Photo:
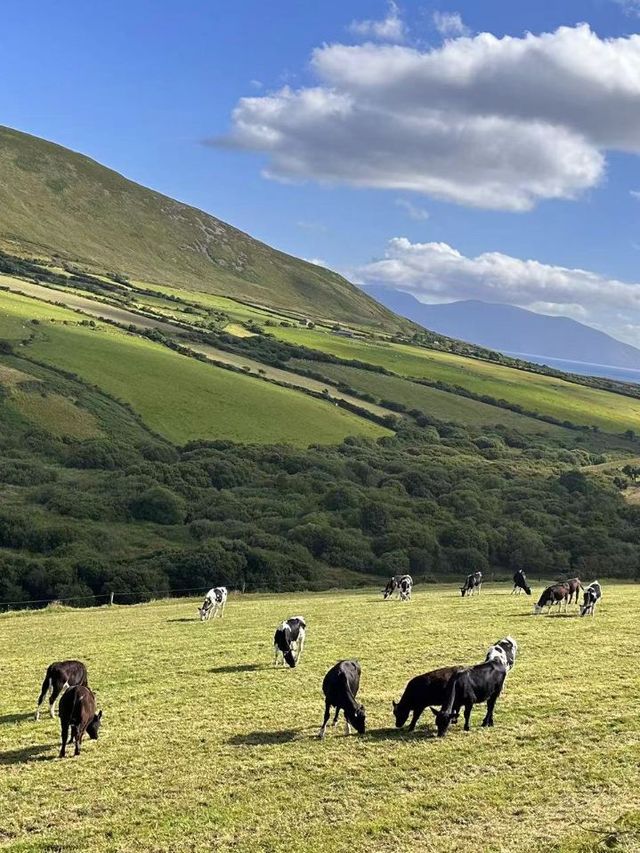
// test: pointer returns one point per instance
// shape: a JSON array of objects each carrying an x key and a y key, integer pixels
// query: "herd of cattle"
[{"x": 451, "y": 688}]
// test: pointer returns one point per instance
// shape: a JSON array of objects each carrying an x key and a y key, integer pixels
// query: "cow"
[
  {"x": 504, "y": 650},
  {"x": 574, "y": 585},
  {"x": 340, "y": 687},
  {"x": 422, "y": 691},
  {"x": 475, "y": 684},
  {"x": 214, "y": 602},
  {"x": 59, "y": 677},
  {"x": 473, "y": 584},
  {"x": 557, "y": 593},
  {"x": 288, "y": 640},
  {"x": 78, "y": 713},
  {"x": 402, "y": 584},
  {"x": 520, "y": 583},
  {"x": 592, "y": 595}
]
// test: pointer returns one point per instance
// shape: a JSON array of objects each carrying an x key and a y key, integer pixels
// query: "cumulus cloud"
[
  {"x": 436, "y": 272},
  {"x": 412, "y": 210},
  {"x": 499, "y": 123},
  {"x": 449, "y": 24},
  {"x": 391, "y": 28}
]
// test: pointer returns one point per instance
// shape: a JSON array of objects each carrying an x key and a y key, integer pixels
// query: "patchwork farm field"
[
  {"x": 179, "y": 397},
  {"x": 205, "y": 746}
]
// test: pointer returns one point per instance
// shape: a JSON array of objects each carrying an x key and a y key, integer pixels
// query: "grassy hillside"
[
  {"x": 562, "y": 399},
  {"x": 180, "y": 398},
  {"x": 54, "y": 202},
  {"x": 559, "y": 771}
]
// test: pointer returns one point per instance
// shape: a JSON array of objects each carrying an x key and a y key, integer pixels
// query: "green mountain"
[{"x": 56, "y": 202}]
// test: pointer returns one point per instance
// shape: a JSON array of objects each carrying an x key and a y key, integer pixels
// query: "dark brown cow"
[
  {"x": 575, "y": 585},
  {"x": 422, "y": 691},
  {"x": 60, "y": 676},
  {"x": 557, "y": 593},
  {"x": 78, "y": 713}
]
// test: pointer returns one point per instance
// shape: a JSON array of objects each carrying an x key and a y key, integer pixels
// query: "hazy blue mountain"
[{"x": 509, "y": 329}]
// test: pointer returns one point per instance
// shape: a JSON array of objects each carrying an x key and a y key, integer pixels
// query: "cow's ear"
[
  {"x": 395, "y": 705},
  {"x": 434, "y": 711},
  {"x": 100, "y": 715}
]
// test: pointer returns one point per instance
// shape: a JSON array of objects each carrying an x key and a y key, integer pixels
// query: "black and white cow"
[
  {"x": 288, "y": 640},
  {"x": 557, "y": 593},
  {"x": 402, "y": 584},
  {"x": 520, "y": 583},
  {"x": 473, "y": 584},
  {"x": 504, "y": 650},
  {"x": 340, "y": 687},
  {"x": 476, "y": 684},
  {"x": 214, "y": 602},
  {"x": 592, "y": 595}
]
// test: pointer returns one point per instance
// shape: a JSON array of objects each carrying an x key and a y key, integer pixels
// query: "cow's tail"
[
  {"x": 450, "y": 696},
  {"x": 46, "y": 684}
]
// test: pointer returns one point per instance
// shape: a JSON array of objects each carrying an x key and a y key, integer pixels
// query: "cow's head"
[
  {"x": 202, "y": 612},
  {"x": 358, "y": 719},
  {"x": 401, "y": 713},
  {"x": 290, "y": 659},
  {"x": 94, "y": 726},
  {"x": 443, "y": 720},
  {"x": 537, "y": 609},
  {"x": 463, "y": 589}
]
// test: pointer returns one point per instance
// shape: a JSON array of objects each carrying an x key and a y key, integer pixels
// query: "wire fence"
[{"x": 103, "y": 599}]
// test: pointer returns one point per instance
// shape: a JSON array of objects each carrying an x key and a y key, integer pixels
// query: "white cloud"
[
  {"x": 634, "y": 194},
  {"x": 629, "y": 7},
  {"x": 412, "y": 210},
  {"x": 490, "y": 122},
  {"x": 436, "y": 272},
  {"x": 449, "y": 24},
  {"x": 390, "y": 29}
]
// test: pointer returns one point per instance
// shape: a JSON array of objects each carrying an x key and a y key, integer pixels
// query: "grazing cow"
[
  {"x": 520, "y": 583},
  {"x": 340, "y": 687},
  {"x": 58, "y": 677},
  {"x": 402, "y": 584},
  {"x": 480, "y": 683},
  {"x": 504, "y": 650},
  {"x": 473, "y": 584},
  {"x": 592, "y": 595},
  {"x": 78, "y": 713},
  {"x": 574, "y": 585},
  {"x": 288, "y": 640},
  {"x": 214, "y": 602},
  {"x": 557, "y": 593},
  {"x": 422, "y": 691}
]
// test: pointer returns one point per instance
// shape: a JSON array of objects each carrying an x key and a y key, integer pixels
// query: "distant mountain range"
[{"x": 513, "y": 330}]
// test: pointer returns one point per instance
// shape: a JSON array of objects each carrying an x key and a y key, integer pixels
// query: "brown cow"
[
  {"x": 422, "y": 691},
  {"x": 77, "y": 711},
  {"x": 60, "y": 676}
]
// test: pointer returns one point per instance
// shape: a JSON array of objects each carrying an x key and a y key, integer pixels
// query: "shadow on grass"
[
  {"x": 16, "y": 718},
  {"x": 26, "y": 754},
  {"x": 264, "y": 738},
  {"x": 185, "y": 619},
  {"x": 420, "y": 733},
  {"x": 238, "y": 667}
]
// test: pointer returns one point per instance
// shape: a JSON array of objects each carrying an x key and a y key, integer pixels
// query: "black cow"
[
  {"x": 78, "y": 713},
  {"x": 557, "y": 593},
  {"x": 340, "y": 687},
  {"x": 288, "y": 640},
  {"x": 473, "y": 584},
  {"x": 422, "y": 691},
  {"x": 480, "y": 683},
  {"x": 592, "y": 595},
  {"x": 60, "y": 676},
  {"x": 520, "y": 583}
]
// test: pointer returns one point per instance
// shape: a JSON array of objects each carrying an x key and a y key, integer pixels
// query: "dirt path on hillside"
[{"x": 123, "y": 316}]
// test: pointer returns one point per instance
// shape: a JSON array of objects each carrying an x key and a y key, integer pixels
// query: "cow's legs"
[
  {"x": 335, "y": 718},
  {"x": 65, "y": 738},
  {"x": 417, "y": 713},
  {"x": 468, "y": 708},
  {"x": 347, "y": 728},
  {"x": 327, "y": 712},
  {"x": 79, "y": 734},
  {"x": 491, "y": 702},
  {"x": 55, "y": 692},
  {"x": 275, "y": 655}
]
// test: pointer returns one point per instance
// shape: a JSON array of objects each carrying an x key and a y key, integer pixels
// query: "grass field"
[
  {"x": 179, "y": 397},
  {"x": 204, "y": 746},
  {"x": 535, "y": 392}
]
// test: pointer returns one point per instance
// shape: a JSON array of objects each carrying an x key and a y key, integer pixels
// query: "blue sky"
[{"x": 140, "y": 85}]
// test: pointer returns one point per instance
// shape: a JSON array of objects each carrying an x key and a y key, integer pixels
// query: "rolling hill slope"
[{"x": 55, "y": 202}]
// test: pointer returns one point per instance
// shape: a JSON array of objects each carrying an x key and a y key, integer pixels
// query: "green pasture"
[{"x": 205, "y": 746}]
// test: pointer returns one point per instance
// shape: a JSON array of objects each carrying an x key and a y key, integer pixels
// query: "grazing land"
[{"x": 205, "y": 745}]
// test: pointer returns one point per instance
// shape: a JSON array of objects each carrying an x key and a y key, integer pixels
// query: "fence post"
[{"x": 111, "y": 599}]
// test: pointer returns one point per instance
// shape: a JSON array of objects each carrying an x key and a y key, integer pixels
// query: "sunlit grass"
[{"x": 205, "y": 746}]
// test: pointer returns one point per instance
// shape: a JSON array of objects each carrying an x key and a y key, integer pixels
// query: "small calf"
[
  {"x": 78, "y": 713},
  {"x": 422, "y": 691},
  {"x": 60, "y": 676},
  {"x": 288, "y": 640},
  {"x": 340, "y": 687},
  {"x": 592, "y": 595}
]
